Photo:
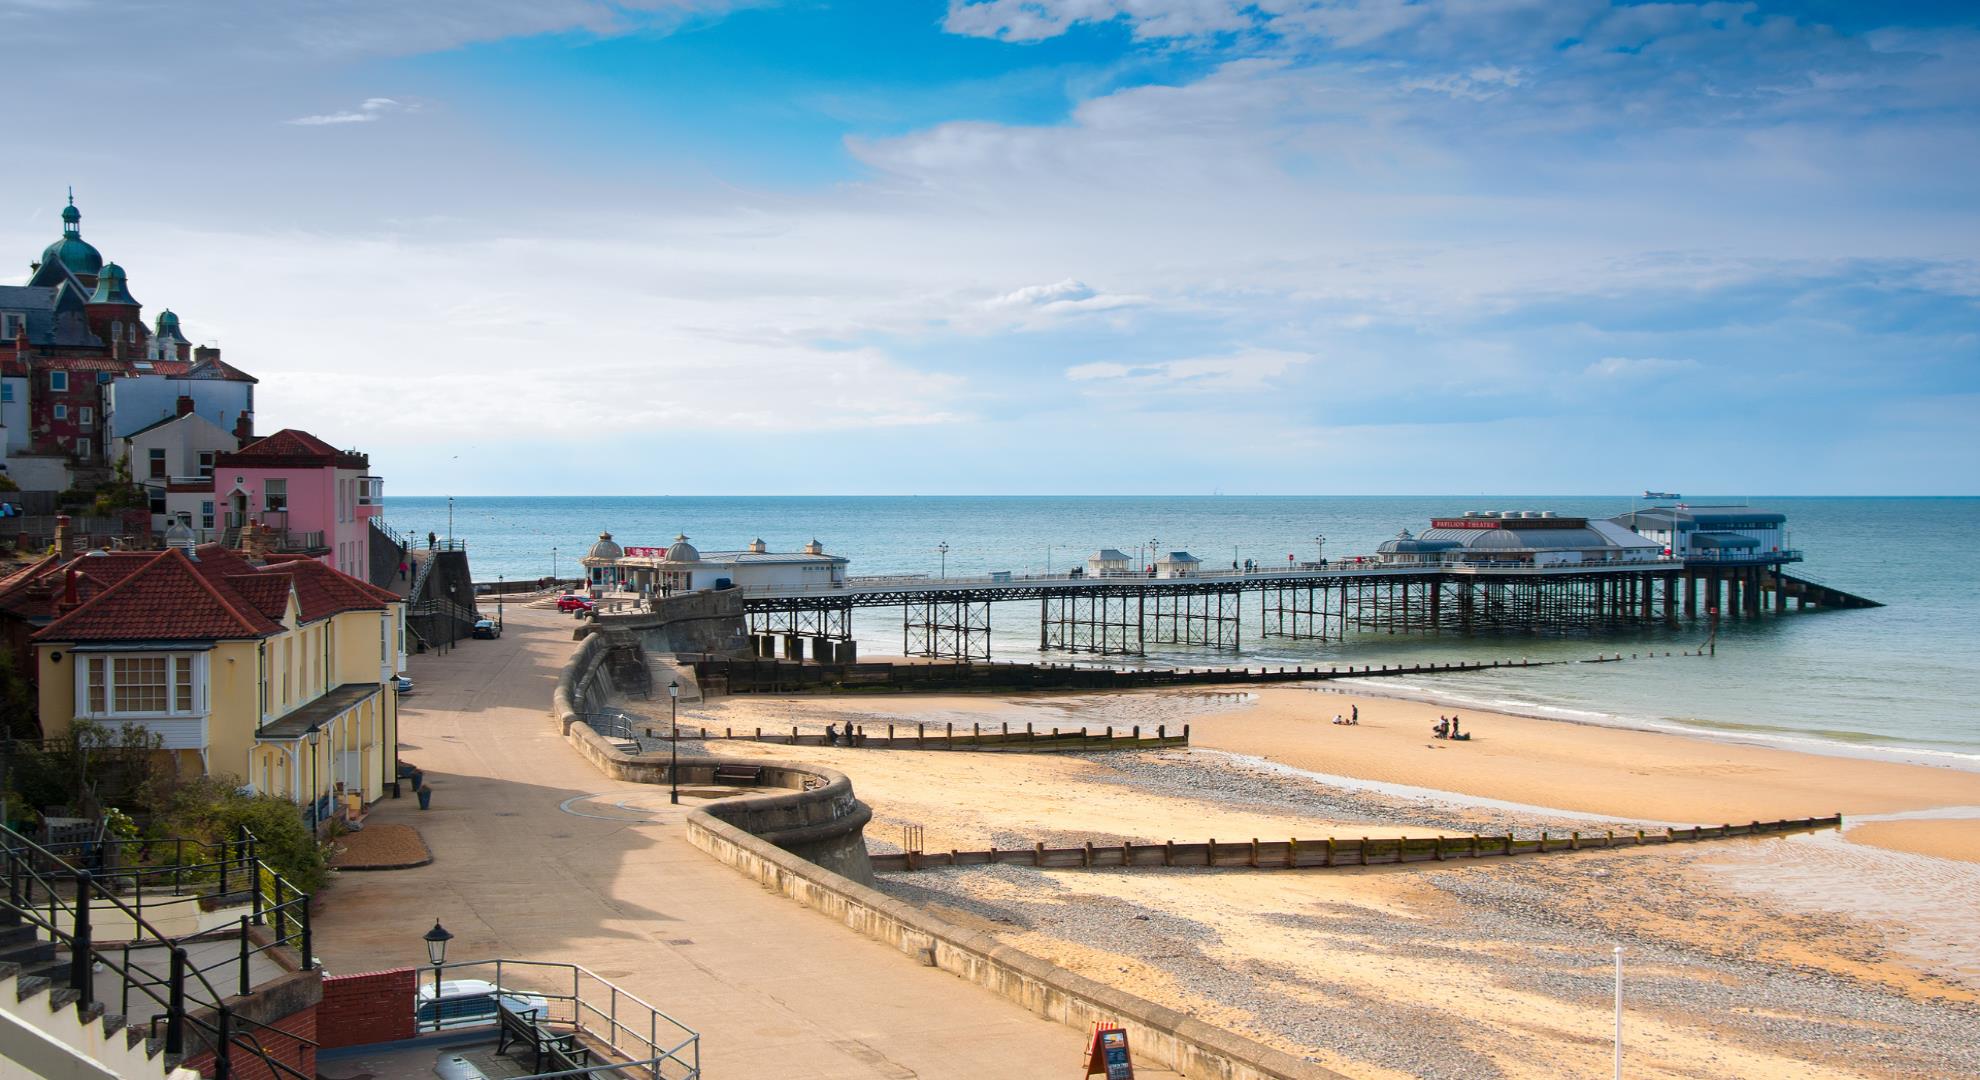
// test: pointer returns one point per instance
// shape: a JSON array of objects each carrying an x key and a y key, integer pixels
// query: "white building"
[
  {"x": 1520, "y": 538},
  {"x": 601, "y": 563},
  {"x": 173, "y": 461},
  {"x": 156, "y": 390},
  {"x": 679, "y": 567},
  {"x": 1109, "y": 562},
  {"x": 1177, "y": 564},
  {"x": 1716, "y": 533}
]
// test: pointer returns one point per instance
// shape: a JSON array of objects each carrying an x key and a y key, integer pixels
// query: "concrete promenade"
[{"x": 527, "y": 867}]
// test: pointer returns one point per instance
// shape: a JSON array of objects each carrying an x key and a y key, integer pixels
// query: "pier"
[{"x": 1123, "y": 616}]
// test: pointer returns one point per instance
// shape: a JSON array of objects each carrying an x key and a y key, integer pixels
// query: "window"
[
  {"x": 10, "y": 325},
  {"x": 275, "y": 494},
  {"x": 61, "y": 411},
  {"x": 86, "y": 415},
  {"x": 82, "y": 448},
  {"x": 116, "y": 329},
  {"x": 140, "y": 684},
  {"x": 7, "y": 393},
  {"x": 103, "y": 378},
  {"x": 206, "y": 514},
  {"x": 58, "y": 381},
  {"x": 157, "y": 496},
  {"x": 206, "y": 464},
  {"x": 98, "y": 686},
  {"x": 131, "y": 333},
  {"x": 157, "y": 458}
]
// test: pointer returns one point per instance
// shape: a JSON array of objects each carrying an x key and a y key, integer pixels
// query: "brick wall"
[
  {"x": 373, "y": 1007},
  {"x": 244, "y": 1065}
]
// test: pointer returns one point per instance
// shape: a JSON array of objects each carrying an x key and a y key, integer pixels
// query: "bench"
[
  {"x": 739, "y": 774},
  {"x": 561, "y": 1049}
]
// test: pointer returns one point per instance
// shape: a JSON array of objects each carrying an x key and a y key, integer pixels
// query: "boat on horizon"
[{"x": 1662, "y": 495}]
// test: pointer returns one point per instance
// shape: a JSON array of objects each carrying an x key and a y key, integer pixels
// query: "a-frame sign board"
[{"x": 1107, "y": 1053}]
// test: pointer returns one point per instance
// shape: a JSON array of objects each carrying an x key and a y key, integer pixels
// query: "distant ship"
[{"x": 1662, "y": 495}]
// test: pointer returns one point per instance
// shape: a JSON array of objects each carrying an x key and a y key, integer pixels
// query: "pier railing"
[
  {"x": 1334, "y": 851},
  {"x": 1369, "y": 565}
]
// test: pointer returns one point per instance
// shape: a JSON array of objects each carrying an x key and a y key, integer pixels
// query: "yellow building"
[{"x": 279, "y": 675}]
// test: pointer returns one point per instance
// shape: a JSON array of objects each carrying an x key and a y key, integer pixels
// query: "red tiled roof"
[
  {"x": 288, "y": 442},
  {"x": 32, "y": 593},
  {"x": 324, "y": 590},
  {"x": 168, "y": 598},
  {"x": 269, "y": 595}
]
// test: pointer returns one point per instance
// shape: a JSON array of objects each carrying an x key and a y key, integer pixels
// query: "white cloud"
[
  {"x": 1637, "y": 367},
  {"x": 368, "y": 110},
  {"x": 1247, "y": 369}
]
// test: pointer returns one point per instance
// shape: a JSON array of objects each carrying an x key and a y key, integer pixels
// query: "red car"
[{"x": 574, "y": 602}]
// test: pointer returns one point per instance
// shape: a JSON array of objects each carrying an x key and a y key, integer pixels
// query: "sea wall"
[
  {"x": 808, "y": 811},
  {"x": 698, "y": 622},
  {"x": 1158, "y": 1035}
]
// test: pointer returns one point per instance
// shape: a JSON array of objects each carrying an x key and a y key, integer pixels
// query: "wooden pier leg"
[
  {"x": 1086, "y": 854},
  {"x": 1364, "y": 851},
  {"x": 1210, "y": 852},
  {"x": 1439, "y": 855},
  {"x": 1169, "y": 853},
  {"x": 1253, "y": 861},
  {"x": 1330, "y": 852},
  {"x": 1292, "y": 852}
]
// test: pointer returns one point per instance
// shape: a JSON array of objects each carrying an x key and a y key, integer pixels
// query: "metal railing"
[
  {"x": 1370, "y": 565},
  {"x": 648, "y": 1042},
  {"x": 184, "y": 993}
]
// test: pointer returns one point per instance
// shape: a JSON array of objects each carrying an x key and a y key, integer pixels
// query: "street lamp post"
[
  {"x": 553, "y": 564},
  {"x": 499, "y": 622},
  {"x": 436, "y": 952},
  {"x": 943, "y": 547},
  {"x": 674, "y": 740},
  {"x": 450, "y": 521},
  {"x": 1320, "y": 547},
  {"x": 1152, "y": 542}
]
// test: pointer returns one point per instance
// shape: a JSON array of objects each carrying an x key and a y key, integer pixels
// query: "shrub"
[{"x": 212, "y": 809}]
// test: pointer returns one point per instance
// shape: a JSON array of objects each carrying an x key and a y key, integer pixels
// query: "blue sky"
[{"x": 702, "y": 246}]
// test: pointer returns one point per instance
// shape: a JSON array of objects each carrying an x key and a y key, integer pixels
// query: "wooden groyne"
[
  {"x": 776, "y": 676},
  {"x": 919, "y": 737},
  {"x": 1335, "y": 851}
]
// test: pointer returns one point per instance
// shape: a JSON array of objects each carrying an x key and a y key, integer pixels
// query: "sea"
[{"x": 1891, "y": 682}]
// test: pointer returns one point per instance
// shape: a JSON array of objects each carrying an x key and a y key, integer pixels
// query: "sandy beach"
[{"x": 1833, "y": 954}]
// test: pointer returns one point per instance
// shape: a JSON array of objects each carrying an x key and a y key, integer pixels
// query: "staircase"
[
  {"x": 1814, "y": 592},
  {"x": 90, "y": 989}
]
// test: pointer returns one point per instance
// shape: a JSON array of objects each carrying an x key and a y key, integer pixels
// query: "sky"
[{"x": 1045, "y": 246}]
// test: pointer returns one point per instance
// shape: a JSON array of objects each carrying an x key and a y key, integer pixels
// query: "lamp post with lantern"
[
  {"x": 674, "y": 740},
  {"x": 943, "y": 548},
  {"x": 436, "y": 953}
]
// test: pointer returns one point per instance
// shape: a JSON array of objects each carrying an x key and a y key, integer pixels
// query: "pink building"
[{"x": 309, "y": 496}]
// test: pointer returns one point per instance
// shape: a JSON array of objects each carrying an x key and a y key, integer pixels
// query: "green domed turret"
[
  {"x": 71, "y": 249},
  {"x": 168, "y": 327},
  {"x": 110, "y": 287}
]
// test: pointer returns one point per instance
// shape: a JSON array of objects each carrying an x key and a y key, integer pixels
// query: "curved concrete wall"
[{"x": 808, "y": 811}]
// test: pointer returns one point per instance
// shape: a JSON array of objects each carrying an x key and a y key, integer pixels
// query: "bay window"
[{"x": 140, "y": 684}]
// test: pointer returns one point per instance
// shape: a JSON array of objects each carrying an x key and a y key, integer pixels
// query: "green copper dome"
[
  {"x": 110, "y": 287},
  {"x": 74, "y": 252}
]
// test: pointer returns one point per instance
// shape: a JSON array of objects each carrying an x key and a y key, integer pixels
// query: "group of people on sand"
[
  {"x": 833, "y": 735},
  {"x": 1352, "y": 718},
  {"x": 1447, "y": 728}
]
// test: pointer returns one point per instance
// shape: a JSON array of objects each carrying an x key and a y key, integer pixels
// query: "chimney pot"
[{"x": 185, "y": 404}]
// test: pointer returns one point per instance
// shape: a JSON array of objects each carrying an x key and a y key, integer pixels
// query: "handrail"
[
  {"x": 612, "y": 1023},
  {"x": 85, "y": 953}
]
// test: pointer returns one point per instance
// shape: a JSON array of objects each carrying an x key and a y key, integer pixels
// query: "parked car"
[
  {"x": 402, "y": 684},
  {"x": 486, "y": 629},
  {"x": 573, "y": 602},
  {"x": 580, "y": 606},
  {"x": 471, "y": 1003}
]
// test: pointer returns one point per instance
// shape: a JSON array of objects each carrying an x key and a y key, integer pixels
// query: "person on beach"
[
  {"x": 1338, "y": 719},
  {"x": 1454, "y": 727},
  {"x": 1354, "y": 714},
  {"x": 831, "y": 735},
  {"x": 1443, "y": 728}
]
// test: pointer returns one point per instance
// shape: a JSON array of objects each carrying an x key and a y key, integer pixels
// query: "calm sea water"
[{"x": 1897, "y": 678}]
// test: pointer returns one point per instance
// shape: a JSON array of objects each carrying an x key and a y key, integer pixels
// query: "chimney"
[
  {"x": 244, "y": 427},
  {"x": 185, "y": 405},
  {"x": 64, "y": 543},
  {"x": 70, "y": 600},
  {"x": 203, "y": 353}
]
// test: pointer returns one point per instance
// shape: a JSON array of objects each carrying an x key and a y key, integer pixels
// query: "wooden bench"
[
  {"x": 561, "y": 1049},
  {"x": 739, "y": 774}
]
